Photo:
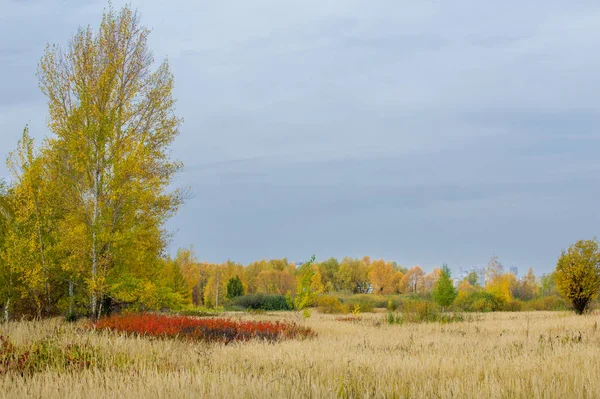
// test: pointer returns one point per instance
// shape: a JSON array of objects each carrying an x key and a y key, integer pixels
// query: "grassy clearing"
[{"x": 496, "y": 355}]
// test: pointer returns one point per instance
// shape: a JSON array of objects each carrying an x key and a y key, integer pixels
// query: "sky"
[{"x": 416, "y": 131}]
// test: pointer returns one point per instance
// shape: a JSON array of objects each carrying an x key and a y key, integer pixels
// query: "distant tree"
[
  {"x": 527, "y": 288},
  {"x": 316, "y": 281},
  {"x": 430, "y": 279},
  {"x": 473, "y": 279},
  {"x": 235, "y": 287},
  {"x": 353, "y": 275},
  {"x": 215, "y": 290},
  {"x": 381, "y": 276},
  {"x": 412, "y": 281},
  {"x": 329, "y": 269},
  {"x": 444, "y": 292},
  {"x": 465, "y": 286},
  {"x": 494, "y": 269},
  {"x": 548, "y": 285},
  {"x": 577, "y": 274},
  {"x": 501, "y": 286},
  {"x": 397, "y": 280},
  {"x": 399, "y": 268}
]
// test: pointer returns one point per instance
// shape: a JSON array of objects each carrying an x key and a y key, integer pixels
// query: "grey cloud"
[{"x": 418, "y": 131}]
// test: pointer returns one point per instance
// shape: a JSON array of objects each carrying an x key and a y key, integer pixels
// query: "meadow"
[{"x": 487, "y": 355}]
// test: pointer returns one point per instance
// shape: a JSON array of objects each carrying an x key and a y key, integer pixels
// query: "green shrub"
[
  {"x": 553, "y": 302},
  {"x": 421, "y": 311},
  {"x": 479, "y": 301},
  {"x": 516, "y": 305},
  {"x": 391, "y": 305},
  {"x": 262, "y": 302},
  {"x": 331, "y": 305},
  {"x": 365, "y": 303}
]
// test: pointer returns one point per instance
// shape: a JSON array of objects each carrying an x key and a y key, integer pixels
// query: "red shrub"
[{"x": 213, "y": 329}]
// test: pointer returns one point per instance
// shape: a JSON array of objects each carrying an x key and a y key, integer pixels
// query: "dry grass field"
[{"x": 495, "y": 355}]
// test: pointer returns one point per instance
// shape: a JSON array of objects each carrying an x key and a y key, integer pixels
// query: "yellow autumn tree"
[
  {"x": 316, "y": 281},
  {"x": 113, "y": 121},
  {"x": 353, "y": 275},
  {"x": 577, "y": 273},
  {"x": 31, "y": 236},
  {"x": 501, "y": 286},
  {"x": 396, "y": 281}
]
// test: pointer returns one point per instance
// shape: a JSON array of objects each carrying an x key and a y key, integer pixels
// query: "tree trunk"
[
  {"x": 70, "y": 298},
  {"x": 217, "y": 291},
  {"x": 96, "y": 194},
  {"x": 6, "y": 310},
  {"x": 43, "y": 258}
]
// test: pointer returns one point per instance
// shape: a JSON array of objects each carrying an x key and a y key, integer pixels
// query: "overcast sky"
[{"x": 420, "y": 131}]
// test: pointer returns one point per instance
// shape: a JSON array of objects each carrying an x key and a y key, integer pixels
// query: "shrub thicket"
[
  {"x": 331, "y": 305},
  {"x": 262, "y": 302},
  {"x": 479, "y": 301},
  {"x": 365, "y": 302}
]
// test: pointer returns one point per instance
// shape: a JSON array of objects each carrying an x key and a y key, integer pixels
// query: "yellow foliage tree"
[
  {"x": 501, "y": 286},
  {"x": 113, "y": 122},
  {"x": 577, "y": 273}
]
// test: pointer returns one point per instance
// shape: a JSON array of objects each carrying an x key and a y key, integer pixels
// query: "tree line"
[{"x": 207, "y": 283}]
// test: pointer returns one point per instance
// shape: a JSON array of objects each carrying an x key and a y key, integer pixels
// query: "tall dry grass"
[{"x": 499, "y": 355}]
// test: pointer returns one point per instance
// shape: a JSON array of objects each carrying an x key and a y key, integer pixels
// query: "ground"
[{"x": 494, "y": 355}]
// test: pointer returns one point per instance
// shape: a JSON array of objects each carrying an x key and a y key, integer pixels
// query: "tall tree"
[
  {"x": 577, "y": 273},
  {"x": 113, "y": 120},
  {"x": 473, "y": 279}
]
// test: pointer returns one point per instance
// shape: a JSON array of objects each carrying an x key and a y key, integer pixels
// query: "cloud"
[{"x": 418, "y": 131}]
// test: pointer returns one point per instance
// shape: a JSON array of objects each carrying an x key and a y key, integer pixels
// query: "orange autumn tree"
[{"x": 381, "y": 277}]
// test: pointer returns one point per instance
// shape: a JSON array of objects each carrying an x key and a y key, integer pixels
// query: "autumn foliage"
[{"x": 222, "y": 330}]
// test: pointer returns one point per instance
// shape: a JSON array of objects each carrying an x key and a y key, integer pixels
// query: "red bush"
[{"x": 205, "y": 329}]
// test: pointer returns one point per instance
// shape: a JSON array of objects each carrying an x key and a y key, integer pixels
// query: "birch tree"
[
  {"x": 112, "y": 118},
  {"x": 30, "y": 236},
  {"x": 6, "y": 216}
]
